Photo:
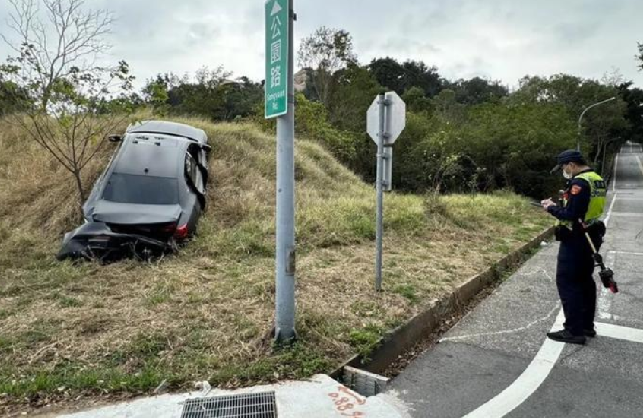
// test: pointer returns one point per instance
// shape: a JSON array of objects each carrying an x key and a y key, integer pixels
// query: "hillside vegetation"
[{"x": 68, "y": 330}]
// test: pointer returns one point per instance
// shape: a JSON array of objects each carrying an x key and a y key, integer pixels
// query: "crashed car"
[{"x": 148, "y": 199}]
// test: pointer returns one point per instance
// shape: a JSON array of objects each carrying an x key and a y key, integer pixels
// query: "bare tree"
[
  {"x": 325, "y": 52},
  {"x": 65, "y": 38},
  {"x": 71, "y": 103},
  {"x": 639, "y": 56}
]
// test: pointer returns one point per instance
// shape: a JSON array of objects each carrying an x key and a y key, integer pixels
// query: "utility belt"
[{"x": 567, "y": 231}]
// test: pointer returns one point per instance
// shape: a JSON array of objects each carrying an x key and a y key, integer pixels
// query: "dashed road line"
[{"x": 503, "y": 332}]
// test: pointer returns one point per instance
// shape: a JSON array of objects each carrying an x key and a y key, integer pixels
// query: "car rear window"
[{"x": 146, "y": 190}]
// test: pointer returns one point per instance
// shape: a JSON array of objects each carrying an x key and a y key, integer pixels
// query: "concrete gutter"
[{"x": 405, "y": 337}]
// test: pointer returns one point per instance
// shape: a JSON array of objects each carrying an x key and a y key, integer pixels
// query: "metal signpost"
[
  {"x": 279, "y": 102},
  {"x": 385, "y": 121}
]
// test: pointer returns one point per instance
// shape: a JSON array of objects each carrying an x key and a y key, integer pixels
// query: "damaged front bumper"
[{"x": 96, "y": 241}]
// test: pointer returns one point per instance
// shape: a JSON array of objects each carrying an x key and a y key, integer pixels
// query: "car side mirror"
[
  {"x": 115, "y": 138},
  {"x": 207, "y": 148}
]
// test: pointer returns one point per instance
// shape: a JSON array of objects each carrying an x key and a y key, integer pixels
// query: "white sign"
[
  {"x": 373, "y": 120},
  {"x": 395, "y": 118}
]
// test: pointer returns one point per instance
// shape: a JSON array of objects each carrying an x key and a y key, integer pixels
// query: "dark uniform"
[{"x": 583, "y": 204}]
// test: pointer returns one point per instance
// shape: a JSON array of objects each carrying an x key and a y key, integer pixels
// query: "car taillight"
[
  {"x": 169, "y": 228},
  {"x": 181, "y": 232}
]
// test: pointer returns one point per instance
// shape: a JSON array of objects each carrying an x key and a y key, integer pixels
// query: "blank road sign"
[
  {"x": 373, "y": 119},
  {"x": 395, "y": 118}
]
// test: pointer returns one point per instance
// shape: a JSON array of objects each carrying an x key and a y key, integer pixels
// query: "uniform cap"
[{"x": 569, "y": 156}]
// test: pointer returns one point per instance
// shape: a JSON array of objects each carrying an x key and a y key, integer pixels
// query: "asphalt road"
[{"x": 497, "y": 361}]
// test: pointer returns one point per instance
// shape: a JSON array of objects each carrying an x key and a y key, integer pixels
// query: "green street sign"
[{"x": 277, "y": 22}]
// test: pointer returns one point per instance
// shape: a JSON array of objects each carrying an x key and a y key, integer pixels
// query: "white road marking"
[
  {"x": 615, "y": 171},
  {"x": 624, "y": 252},
  {"x": 540, "y": 367},
  {"x": 628, "y": 214},
  {"x": 640, "y": 164},
  {"x": 609, "y": 211},
  {"x": 605, "y": 298},
  {"x": 619, "y": 332},
  {"x": 620, "y": 318},
  {"x": 527, "y": 383}
]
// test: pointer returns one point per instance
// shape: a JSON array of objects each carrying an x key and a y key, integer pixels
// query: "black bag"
[
  {"x": 597, "y": 232},
  {"x": 563, "y": 233}
]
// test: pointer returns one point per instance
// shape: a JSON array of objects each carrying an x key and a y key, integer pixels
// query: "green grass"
[
  {"x": 365, "y": 340},
  {"x": 408, "y": 291}
]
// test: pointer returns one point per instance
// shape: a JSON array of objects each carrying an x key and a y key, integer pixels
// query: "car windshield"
[{"x": 146, "y": 190}]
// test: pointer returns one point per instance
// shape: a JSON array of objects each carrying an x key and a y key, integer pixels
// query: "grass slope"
[{"x": 69, "y": 330}]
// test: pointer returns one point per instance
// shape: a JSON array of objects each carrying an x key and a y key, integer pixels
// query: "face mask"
[{"x": 567, "y": 175}]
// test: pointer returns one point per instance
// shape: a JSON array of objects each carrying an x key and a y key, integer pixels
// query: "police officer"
[{"x": 578, "y": 212}]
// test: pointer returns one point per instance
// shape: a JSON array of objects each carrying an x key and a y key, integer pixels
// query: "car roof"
[
  {"x": 169, "y": 128},
  {"x": 150, "y": 155}
]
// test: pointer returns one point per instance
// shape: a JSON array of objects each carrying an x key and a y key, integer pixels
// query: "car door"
[{"x": 196, "y": 191}]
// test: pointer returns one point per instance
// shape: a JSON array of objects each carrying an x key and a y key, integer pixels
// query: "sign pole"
[
  {"x": 280, "y": 103},
  {"x": 385, "y": 121},
  {"x": 381, "y": 136},
  {"x": 285, "y": 298}
]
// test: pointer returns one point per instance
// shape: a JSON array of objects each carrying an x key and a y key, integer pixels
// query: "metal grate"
[{"x": 246, "y": 405}]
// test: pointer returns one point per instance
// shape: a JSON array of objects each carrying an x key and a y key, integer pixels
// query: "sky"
[{"x": 497, "y": 39}]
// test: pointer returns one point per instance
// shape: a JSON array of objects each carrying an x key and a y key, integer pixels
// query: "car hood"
[{"x": 134, "y": 214}]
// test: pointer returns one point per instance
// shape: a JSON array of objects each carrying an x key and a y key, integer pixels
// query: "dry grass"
[{"x": 68, "y": 329}]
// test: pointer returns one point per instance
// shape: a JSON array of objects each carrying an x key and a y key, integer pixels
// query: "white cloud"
[{"x": 500, "y": 39}]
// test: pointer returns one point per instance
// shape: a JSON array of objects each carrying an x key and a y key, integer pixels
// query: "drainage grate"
[{"x": 246, "y": 405}]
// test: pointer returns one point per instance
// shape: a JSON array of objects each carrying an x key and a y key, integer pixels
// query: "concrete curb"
[{"x": 406, "y": 336}]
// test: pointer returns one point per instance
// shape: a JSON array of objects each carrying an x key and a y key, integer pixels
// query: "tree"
[
  {"x": 634, "y": 114},
  {"x": 325, "y": 52},
  {"x": 352, "y": 93},
  {"x": 155, "y": 93},
  {"x": 416, "y": 100},
  {"x": 601, "y": 126},
  {"x": 418, "y": 74},
  {"x": 639, "y": 57},
  {"x": 448, "y": 108},
  {"x": 13, "y": 98},
  {"x": 389, "y": 73},
  {"x": 478, "y": 90},
  {"x": 239, "y": 98},
  {"x": 517, "y": 144},
  {"x": 402, "y": 77},
  {"x": 72, "y": 103},
  {"x": 211, "y": 93},
  {"x": 77, "y": 40}
]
